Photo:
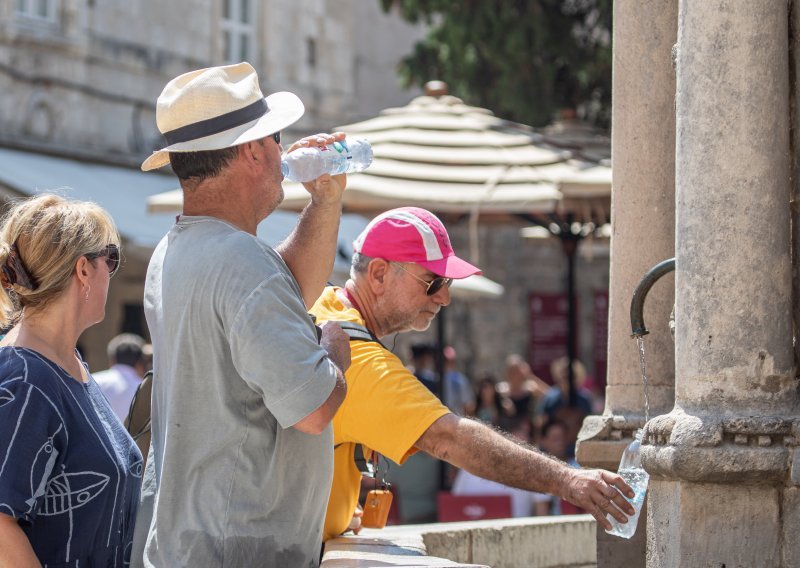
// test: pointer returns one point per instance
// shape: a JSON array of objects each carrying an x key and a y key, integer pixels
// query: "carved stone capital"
[{"x": 720, "y": 450}]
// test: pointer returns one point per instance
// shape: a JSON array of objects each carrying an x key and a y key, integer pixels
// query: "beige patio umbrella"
[{"x": 452, "y": 158}]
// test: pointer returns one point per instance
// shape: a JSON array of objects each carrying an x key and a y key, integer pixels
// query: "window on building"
[
  {"x": 38, "y": 9},
  {"x": 238, "y": 28},
  {"x": 311, "y": 52}
]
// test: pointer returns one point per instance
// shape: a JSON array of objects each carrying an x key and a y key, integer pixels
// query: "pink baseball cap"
[{"x": 411, "y": 234}]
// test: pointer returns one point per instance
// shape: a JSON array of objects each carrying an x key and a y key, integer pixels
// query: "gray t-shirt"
[{"x": 236, "y": 364}]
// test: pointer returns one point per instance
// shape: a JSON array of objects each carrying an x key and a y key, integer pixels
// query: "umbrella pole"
[
  {"x": 570, "y": 245},
  {"x": 441, "y": 324},
  {"x": 562, "y": 228}
]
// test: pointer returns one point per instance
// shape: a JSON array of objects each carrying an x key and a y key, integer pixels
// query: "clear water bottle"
[
  {"x": 630, "y": 469},
  {"x": 347, "y": 156}
]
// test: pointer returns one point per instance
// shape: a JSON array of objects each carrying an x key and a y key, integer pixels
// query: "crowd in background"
[{"x": 529, "y": 408}]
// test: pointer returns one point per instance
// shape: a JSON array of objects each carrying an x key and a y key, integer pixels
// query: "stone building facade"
[
  {"x": 83, "y": 76},
  {"x": 79, "y": 80}
]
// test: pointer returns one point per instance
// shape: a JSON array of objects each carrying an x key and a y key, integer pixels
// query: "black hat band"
[{"x": 217, "y": 124}]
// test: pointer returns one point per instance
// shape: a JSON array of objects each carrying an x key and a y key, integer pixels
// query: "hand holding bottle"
[
  {"x": 349, "y": 155},
  {"x": 600, "y": 493},
  {"x": 324, "y": 188}
]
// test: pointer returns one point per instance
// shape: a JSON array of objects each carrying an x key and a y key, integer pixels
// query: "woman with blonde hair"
[{"x": 69, "y": 472}]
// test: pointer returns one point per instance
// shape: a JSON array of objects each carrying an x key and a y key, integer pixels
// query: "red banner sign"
[{"x": 548, "y": 337}]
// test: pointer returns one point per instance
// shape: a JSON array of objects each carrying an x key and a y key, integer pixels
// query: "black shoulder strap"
[
  {"x": 358, "y": 332},
  {"x": 362, "y": 463}
]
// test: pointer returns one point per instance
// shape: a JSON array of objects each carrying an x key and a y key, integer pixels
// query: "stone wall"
[
  {"x": 543, "y": 542},
  {"x": 89, "y": 80}
]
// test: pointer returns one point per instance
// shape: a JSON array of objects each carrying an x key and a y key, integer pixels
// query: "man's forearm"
[
  {"x": 310, "y": 249},
  {"x": 475, "y": 447}
]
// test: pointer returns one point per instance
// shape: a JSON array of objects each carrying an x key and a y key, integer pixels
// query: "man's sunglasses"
[
  {"x": 276, "y": 136},
  {"x": 111, "y": 254},
  {"x": 430, "y": 287}
]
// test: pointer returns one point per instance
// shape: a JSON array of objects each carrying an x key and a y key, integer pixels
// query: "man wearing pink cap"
[{"x": 402, "y": 269}]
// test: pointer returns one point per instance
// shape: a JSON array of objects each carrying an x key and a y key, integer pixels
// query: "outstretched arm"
[
  {"x": 310, "y": 249},
  {"x": 475, "y": 447}
]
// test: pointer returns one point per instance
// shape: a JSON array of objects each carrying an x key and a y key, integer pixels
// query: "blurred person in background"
[
  {"x": 553, "y": 440},
  {"x": 421, "y": 366},
  {"x": 491, "y": 406},
  {"x": 128, "y": 365},
  {"x": 71, "y": 474},
  {"x": 457, "y": 393},
  {"x": 556, "y": 405},
  {"x": 522, "y": 386}
]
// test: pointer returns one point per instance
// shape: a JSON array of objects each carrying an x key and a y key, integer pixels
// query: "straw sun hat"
[{"x": 216, "y": 108}]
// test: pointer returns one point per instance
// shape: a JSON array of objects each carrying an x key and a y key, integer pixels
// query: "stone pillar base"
[
  {"x": 707, "y": 524},
  {"x": 791, "y": 526},
  {"x": 722, "y": 490},
  {"x": 613, "y": 551}
]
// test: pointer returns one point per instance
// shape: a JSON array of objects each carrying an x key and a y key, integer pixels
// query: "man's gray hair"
[{"x": 359, "y": 264}]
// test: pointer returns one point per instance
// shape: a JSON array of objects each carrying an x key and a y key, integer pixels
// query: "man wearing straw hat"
[{"x": 243, "y": 392}]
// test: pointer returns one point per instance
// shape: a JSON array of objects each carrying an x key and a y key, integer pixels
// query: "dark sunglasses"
[
  {"x": 277, "y": 137},
  {"x": 111, "y": 254},
  {"x": 430, "y": 287}
]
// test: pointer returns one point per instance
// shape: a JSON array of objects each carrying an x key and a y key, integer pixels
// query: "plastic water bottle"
[
  {"x": 347, "y": 156},
  {"x": 630, "y": 469}
]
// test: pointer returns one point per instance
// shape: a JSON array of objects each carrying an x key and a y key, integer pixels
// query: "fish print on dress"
[
  {"x": 6, "y": 396},
  {"x": 42, "y": 469},
  {"x": 68, "y": 491}
]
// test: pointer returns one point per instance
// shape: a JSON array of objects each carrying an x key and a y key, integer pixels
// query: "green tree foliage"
[{"x": 524, "y": 59}]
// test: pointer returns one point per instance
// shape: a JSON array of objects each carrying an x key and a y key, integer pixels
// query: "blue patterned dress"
[{"x": 69, "y": 472}]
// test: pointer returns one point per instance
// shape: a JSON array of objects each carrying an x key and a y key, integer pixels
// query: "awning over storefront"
[{"x": 121, "y": 191}]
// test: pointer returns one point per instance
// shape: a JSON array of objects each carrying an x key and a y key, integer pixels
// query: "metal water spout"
[{"x": 637, "y": 303}]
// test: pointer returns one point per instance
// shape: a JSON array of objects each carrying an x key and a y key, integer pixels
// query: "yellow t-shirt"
[{"x": 386, "y": 410}]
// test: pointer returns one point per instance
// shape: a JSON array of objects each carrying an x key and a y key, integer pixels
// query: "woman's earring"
[{"x": 87, "y": 293}]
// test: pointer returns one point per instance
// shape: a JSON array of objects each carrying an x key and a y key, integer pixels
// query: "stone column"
[
  {"x": 643, "y": 211},
  {"x": 720, "y": 459}
]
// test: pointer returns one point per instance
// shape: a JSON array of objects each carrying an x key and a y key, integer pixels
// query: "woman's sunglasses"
[
  {"x": 430, "y": 287},
  {"x": 277, "y": 137},
  {"x": 111, "y": 254}
]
